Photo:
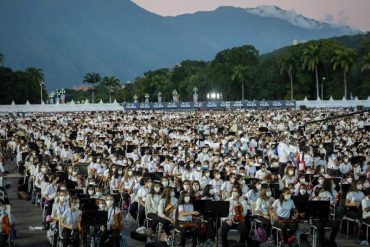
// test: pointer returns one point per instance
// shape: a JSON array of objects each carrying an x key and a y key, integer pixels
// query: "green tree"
[
  {"x": 365, "y": 62},
  {"x": 286, "y": 64},
  {"x": 110, "y": 83},
  {"x": 240, "y": 73},
  {"x": 37, "y": 76},
  {"x": 311, "y": 58},
  {"x": 2, "y": 59},
  {"x": 343, "y": 59},
  {"x": 92, "y": 78}
]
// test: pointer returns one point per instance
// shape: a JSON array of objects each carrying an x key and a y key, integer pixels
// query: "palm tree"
[
  {"x": 240, "y": 73},
  {"x": 286, "y": 64},
  {"x": 92, "y": 78},
  {"x": 311, "y": 61},
  {"x": 344, "y": 59},
  {"x": 366, "y": 62},
  {"x": 36, "y": 74},
  {"x": 2, "y": 59},
  {"x": 110, "y": 83}
]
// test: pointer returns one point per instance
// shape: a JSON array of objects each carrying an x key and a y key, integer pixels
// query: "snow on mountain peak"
[{"x": 290, "y": 15}]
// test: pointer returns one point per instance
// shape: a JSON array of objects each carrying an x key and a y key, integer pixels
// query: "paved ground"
[{"x": 27, "y": 215}]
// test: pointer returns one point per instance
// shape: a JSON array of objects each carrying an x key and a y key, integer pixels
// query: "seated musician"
[
  {"x": 365, "y": 205},
  {"x": 263, "y": 205},
  {"x": 114, "y": 223},
  {"x": 166, "y": 208},
  {"x": 281, "y": 215},
  {"x": 238, "y": 211},
  {"x": 70, "y": 223},
  {"x": 151, "y": 204},
  {"x": 185, "y": 218}
]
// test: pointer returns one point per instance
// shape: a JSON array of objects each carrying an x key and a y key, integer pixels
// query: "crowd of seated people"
[{"x": 155, "y": 167}]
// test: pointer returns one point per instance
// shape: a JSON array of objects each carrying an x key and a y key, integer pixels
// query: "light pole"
[
  {"x": 159, "y": 97},
  {"x": 322, "y": 88},
  {"x": 214, "y": 96},
  {"x": 41, "y": 84}
]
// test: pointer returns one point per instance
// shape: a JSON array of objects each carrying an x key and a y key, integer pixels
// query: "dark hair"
[
  {"x": 326, "y": 185},
  {"x": 182, "y": 196},
  {"x": 285, "y": 189},
  {"x": 206, "y": 191}
]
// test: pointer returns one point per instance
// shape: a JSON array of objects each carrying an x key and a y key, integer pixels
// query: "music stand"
[
  {"x": 216, "y": 210},
  {"x": 317, "y": 210},
  {"x": 88, "y": 204},
  {"x": 93, "y": 218}
]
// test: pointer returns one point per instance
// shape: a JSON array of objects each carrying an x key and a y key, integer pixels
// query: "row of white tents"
[{"x": 115, "y": 106}]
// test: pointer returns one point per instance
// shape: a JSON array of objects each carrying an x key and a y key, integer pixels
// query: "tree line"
[{"x": 337, "y": 67}]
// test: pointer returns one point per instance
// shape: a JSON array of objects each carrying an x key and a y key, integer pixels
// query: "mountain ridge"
[{"x": 68, "y": 39}]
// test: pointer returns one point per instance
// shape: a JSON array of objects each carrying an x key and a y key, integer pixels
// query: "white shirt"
[
  {"x": 365, "y": 203},
  {"x": 283, "y": 152},
  {"x": 283, "y": 209}
]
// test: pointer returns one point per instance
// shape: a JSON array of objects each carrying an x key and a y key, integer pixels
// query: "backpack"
[{"x": 259, "y": 235}]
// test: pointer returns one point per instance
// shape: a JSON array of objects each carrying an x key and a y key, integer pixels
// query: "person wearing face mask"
[
  {"x": 186, "y": 185},
  {"x": 185, "y": 218},
  {"x": 195, "y": 191},
  {"x": 227, "y": 186},
  {"x": 301, "y": 199},
  {"x": 365, "y": 205},
  {"x": 114, "y": 223},
  {"x": 328, "y": 192},
  {"x": 98, "y": 193},
  {"x": 69, "y": 222},
  {"x": 91, "y": 191},
  {"x": 345, "y": 167},
  {"x": 233, "y": 221},
  {"x": 263, "y": 204},
  {"x": 242, "y": 184},
  {"x": 281, "y": 214},
  {"x": 262, "y": 172},
  {"x": 353, "y": 200},
  {"x": 126, "y": 186},
  {"x": 187, "y": 172},
  {"x": 167, "y": 208},
  {"x": 197, "y": 173},
  {"x": 137, "y": 208},
  {"x": 115, "y": 180},
  {"x": 289, "y": 177},
  {"x": 151, "y": 205},
  {"x": 216, "y": 182}
]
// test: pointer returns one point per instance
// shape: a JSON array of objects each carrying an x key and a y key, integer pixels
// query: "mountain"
[{"x": 70, "y": 38}]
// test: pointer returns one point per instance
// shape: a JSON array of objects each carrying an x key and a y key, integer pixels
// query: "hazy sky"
[{"x": 350, "y": 12}]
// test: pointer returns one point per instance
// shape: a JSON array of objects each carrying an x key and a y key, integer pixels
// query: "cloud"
[
  {"x": 343, "y": 17},
  {"x": 328, "y": 18}
]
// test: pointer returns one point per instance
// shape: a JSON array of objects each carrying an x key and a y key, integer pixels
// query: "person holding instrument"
[
  {"x": 281, "y": 215},
  {"x": 238, "y": 211},
  {"x": 114, "y": 223},
  {"x": 185, "y": 218},
  {"x": 70, "y": 222}
]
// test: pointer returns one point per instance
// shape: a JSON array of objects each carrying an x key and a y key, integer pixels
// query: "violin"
[{"x": 238, "y": 213}]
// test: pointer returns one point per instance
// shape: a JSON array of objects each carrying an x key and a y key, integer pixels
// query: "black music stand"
[
  {"x": 216, "y": 210},
  {"x": 317, "y": 210},
  {"x": 92, "y": 218}
]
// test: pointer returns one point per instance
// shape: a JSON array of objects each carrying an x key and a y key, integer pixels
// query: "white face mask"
[
  {"x": 195, "y": 187},
  {"x": 218, "y": 176},
  {"x": 62, "y": 198},
  {"x": 109, "y": 203},
  {"x": 186, "y": 187},
  {"x": 91, "y": 192},
  {"x": 157, "y": 189},
  {"x": 74, "y": 173},
  {"x": 187, "y": 199},
  {"x": 349, "y": 180},
  {"x": 291, "y": 172},
  {"x": 302, "y": 191},
  {"x": 359, "y": 186},
  {"x": 101, "y": 206},
  {"x": 98, "y": 194},
  {"x": 172, "y": 194},
  {"x": 258, "y": 186},
  {"x": 268, "y": 193},
  {"x": 234, "y": 195},
  {"x": 165, "y": 183},
  {"x": 321, "y": 181},
  {"x": 207, "y": 175},
  {"x": 287, "y": 197},
  {"x": 212, "y": 191}
]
